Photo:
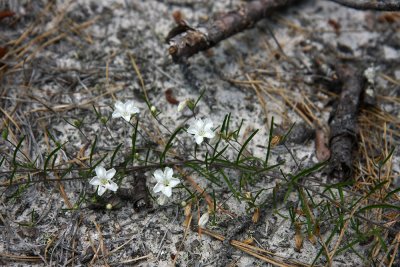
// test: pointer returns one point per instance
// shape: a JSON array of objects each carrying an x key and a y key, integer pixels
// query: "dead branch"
[
  {"x": 343, "y": 124},
  {"x": 370, "y": 5},
  {"x": 185, "y": 41}
]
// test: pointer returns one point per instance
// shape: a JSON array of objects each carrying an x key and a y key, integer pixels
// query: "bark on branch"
[
  {"x": 343, "y": 137},
  {"x": 388, "y": 5},
  {"x": 185, "y": 41}
]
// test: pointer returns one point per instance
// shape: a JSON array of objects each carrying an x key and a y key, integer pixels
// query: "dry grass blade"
[
  {"x": 395, "y": 244},
  {"x": 185, "y": 235},
  {"x": 257, "y": 252},
  {"x": 260, "y": 99},
  {"x": 198, "y": 188},
  {"x": 131, "y": 261},
  {"x": 11, "y": 257},
  {"x": 63, "y": 194},
  {"x": 10, "y": 118},
  {"x": 139, "y": 74},
  {"x": 87, "y": 104},
  {"x": 343, "y": 231}
]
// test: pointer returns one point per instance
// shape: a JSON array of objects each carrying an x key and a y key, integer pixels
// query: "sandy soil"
[{"x": 54, "y": 85}]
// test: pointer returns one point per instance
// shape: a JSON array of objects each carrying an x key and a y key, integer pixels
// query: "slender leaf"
[
  {"x": 271, "y": 129},
  {"x": 391, "y": 193},
  {"x": 115, "y": 154},
  {"x": 383, "y": 162},
  {"x": 92, "y": 150},
  {"x": 245, "y": 144},
  {"x": 16, "y": 150},
  {"x": 134, "y": 136},
  {"x": 230, "y": 185},
  {"x": 215, "y": 157},
  {"x": 169, "y": 144}
]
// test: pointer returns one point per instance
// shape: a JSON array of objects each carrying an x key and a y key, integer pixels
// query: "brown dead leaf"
[
  {"x": 312, "y": 239},
  {"x": 298, "y": 238},
  {"x": 169, "y": 95},
  {"x": 6, "y": 14},
  {"x": 298, "y": 241},
  {"x": 335, "y": 25},
  {"x": 3, "y": 51},
  {"x": 178, "y": 17},
  {"x": 389, "y": 17},
  {"x": 188, "y": 215},
  {"x": 276, "y": 140},
  {"x": 256, "y": 215},
  {"x": 188, "y": 209}
]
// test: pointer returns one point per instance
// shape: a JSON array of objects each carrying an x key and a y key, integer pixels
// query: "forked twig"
[{"x": 185, "y": 41}]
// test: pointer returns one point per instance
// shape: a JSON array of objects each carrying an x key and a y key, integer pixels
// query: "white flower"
[
  {"x": 103, "y": 180},
  {"x": 201, "y": 129},
  {"x": 124, "y": 110},
  {"x": 204, "y": 219},
  {"x": 165, "y": 181}
]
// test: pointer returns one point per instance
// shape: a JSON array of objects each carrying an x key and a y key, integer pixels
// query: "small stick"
[
  {"x": 343, "y": 125},
  {"x": 185, "y": 41}
]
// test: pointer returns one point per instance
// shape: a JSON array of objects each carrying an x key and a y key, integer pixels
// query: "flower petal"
[
  {"x": 158, "y": 187},
  {"x": 168, "y": 172},
  {"x": 167, "y": 191},
  {"x": 192, "y": 130},
  {"x": 158, "y": 175},
  {"x": 101, "y": 172},
  {"x": 119, "y": 105},
  {"x": 101, "y": 190},
  {"x": 209, "y": 134},
  {"x": 208, "y": 129},
  {"x": 116, "y": 114},
  {"x": 135, "y": 110},
  {"x": 199, "y": 139},
  {"x": 174, "y": 182},
  {"x": 112, "y": 186},
  {"x": 95, "y": 181},
  {"x": 127, "y": 117},
  {"x": 130, "y": 107},
  {"x": 110, "y": 173},
  {"x": 199, "y": 124}
]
